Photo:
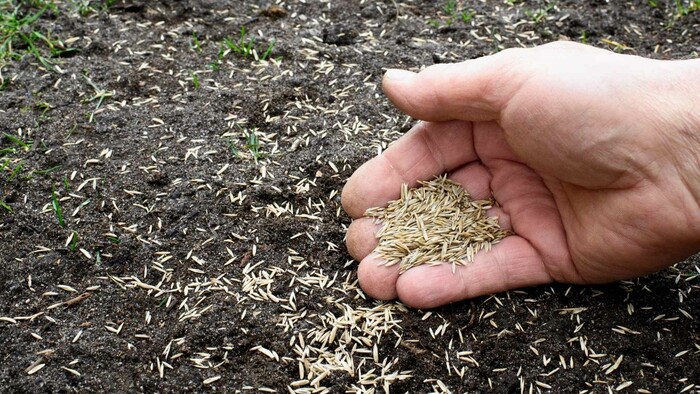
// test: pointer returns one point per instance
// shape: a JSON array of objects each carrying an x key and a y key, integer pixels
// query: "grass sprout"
[
  {"x": 232, "y": 146},
  {"x": 250, "y": 149},
  {"x": 25, "y": 145},
  {"x": 685, "y": 7},
  {"x": 195, "y": 43},
  {"x": 450, "y": 7},
  {"x": 245, "y": 47},
  {"x": 195, "y": 80},
  {"x": 43, "y": 106},
  {"x": 19, "y": 35},
  {"x": 86, "y": 7},
  {"x": 540, "y": 14},
  {"x": 268, "y": 51},
  {"x": 114, "y": 240},
  {"x": 253, "y": 143},
  {"x": 16, "y": 171},
  {"x": 47, "y": 171},
  {"x": 100, "y": 95},
  {"x": 57, "y": 209},
  {"x": 453, "y": 12},
  {"x": 73, "y": 241},
  {"x": 467, "y": 16}
]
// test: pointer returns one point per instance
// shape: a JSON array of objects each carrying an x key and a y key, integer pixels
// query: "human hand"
[{"x": 593, "y": 156}]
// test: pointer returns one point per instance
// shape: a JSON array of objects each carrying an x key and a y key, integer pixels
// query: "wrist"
[{"x": 686, "y": 152}]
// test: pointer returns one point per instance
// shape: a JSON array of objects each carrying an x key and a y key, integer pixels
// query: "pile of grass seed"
[{"x": 434, "y": 223}]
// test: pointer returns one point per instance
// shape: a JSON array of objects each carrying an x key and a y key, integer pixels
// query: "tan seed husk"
[{"x": 434, "y": 223}]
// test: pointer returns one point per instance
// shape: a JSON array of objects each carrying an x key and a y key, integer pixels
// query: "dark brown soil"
[{"x": 201, "y": 261}]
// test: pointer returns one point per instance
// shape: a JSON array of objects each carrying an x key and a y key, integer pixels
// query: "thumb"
[{"x": 474, "y": 90}]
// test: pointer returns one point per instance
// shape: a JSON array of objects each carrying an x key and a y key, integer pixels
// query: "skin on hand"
[{"x": 593, "y": 156}]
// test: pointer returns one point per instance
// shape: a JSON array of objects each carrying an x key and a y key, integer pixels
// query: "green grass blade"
[{"x": 57, "y": 209}]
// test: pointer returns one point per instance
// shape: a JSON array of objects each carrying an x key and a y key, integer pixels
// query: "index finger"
[{"x": 427, "y": 150}]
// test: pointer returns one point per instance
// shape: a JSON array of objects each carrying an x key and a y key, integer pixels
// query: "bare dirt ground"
[{"x": 170, "y": 217}]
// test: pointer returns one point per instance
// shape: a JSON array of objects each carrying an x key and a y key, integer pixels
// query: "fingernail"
[{"x": 396, "y": 74}]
